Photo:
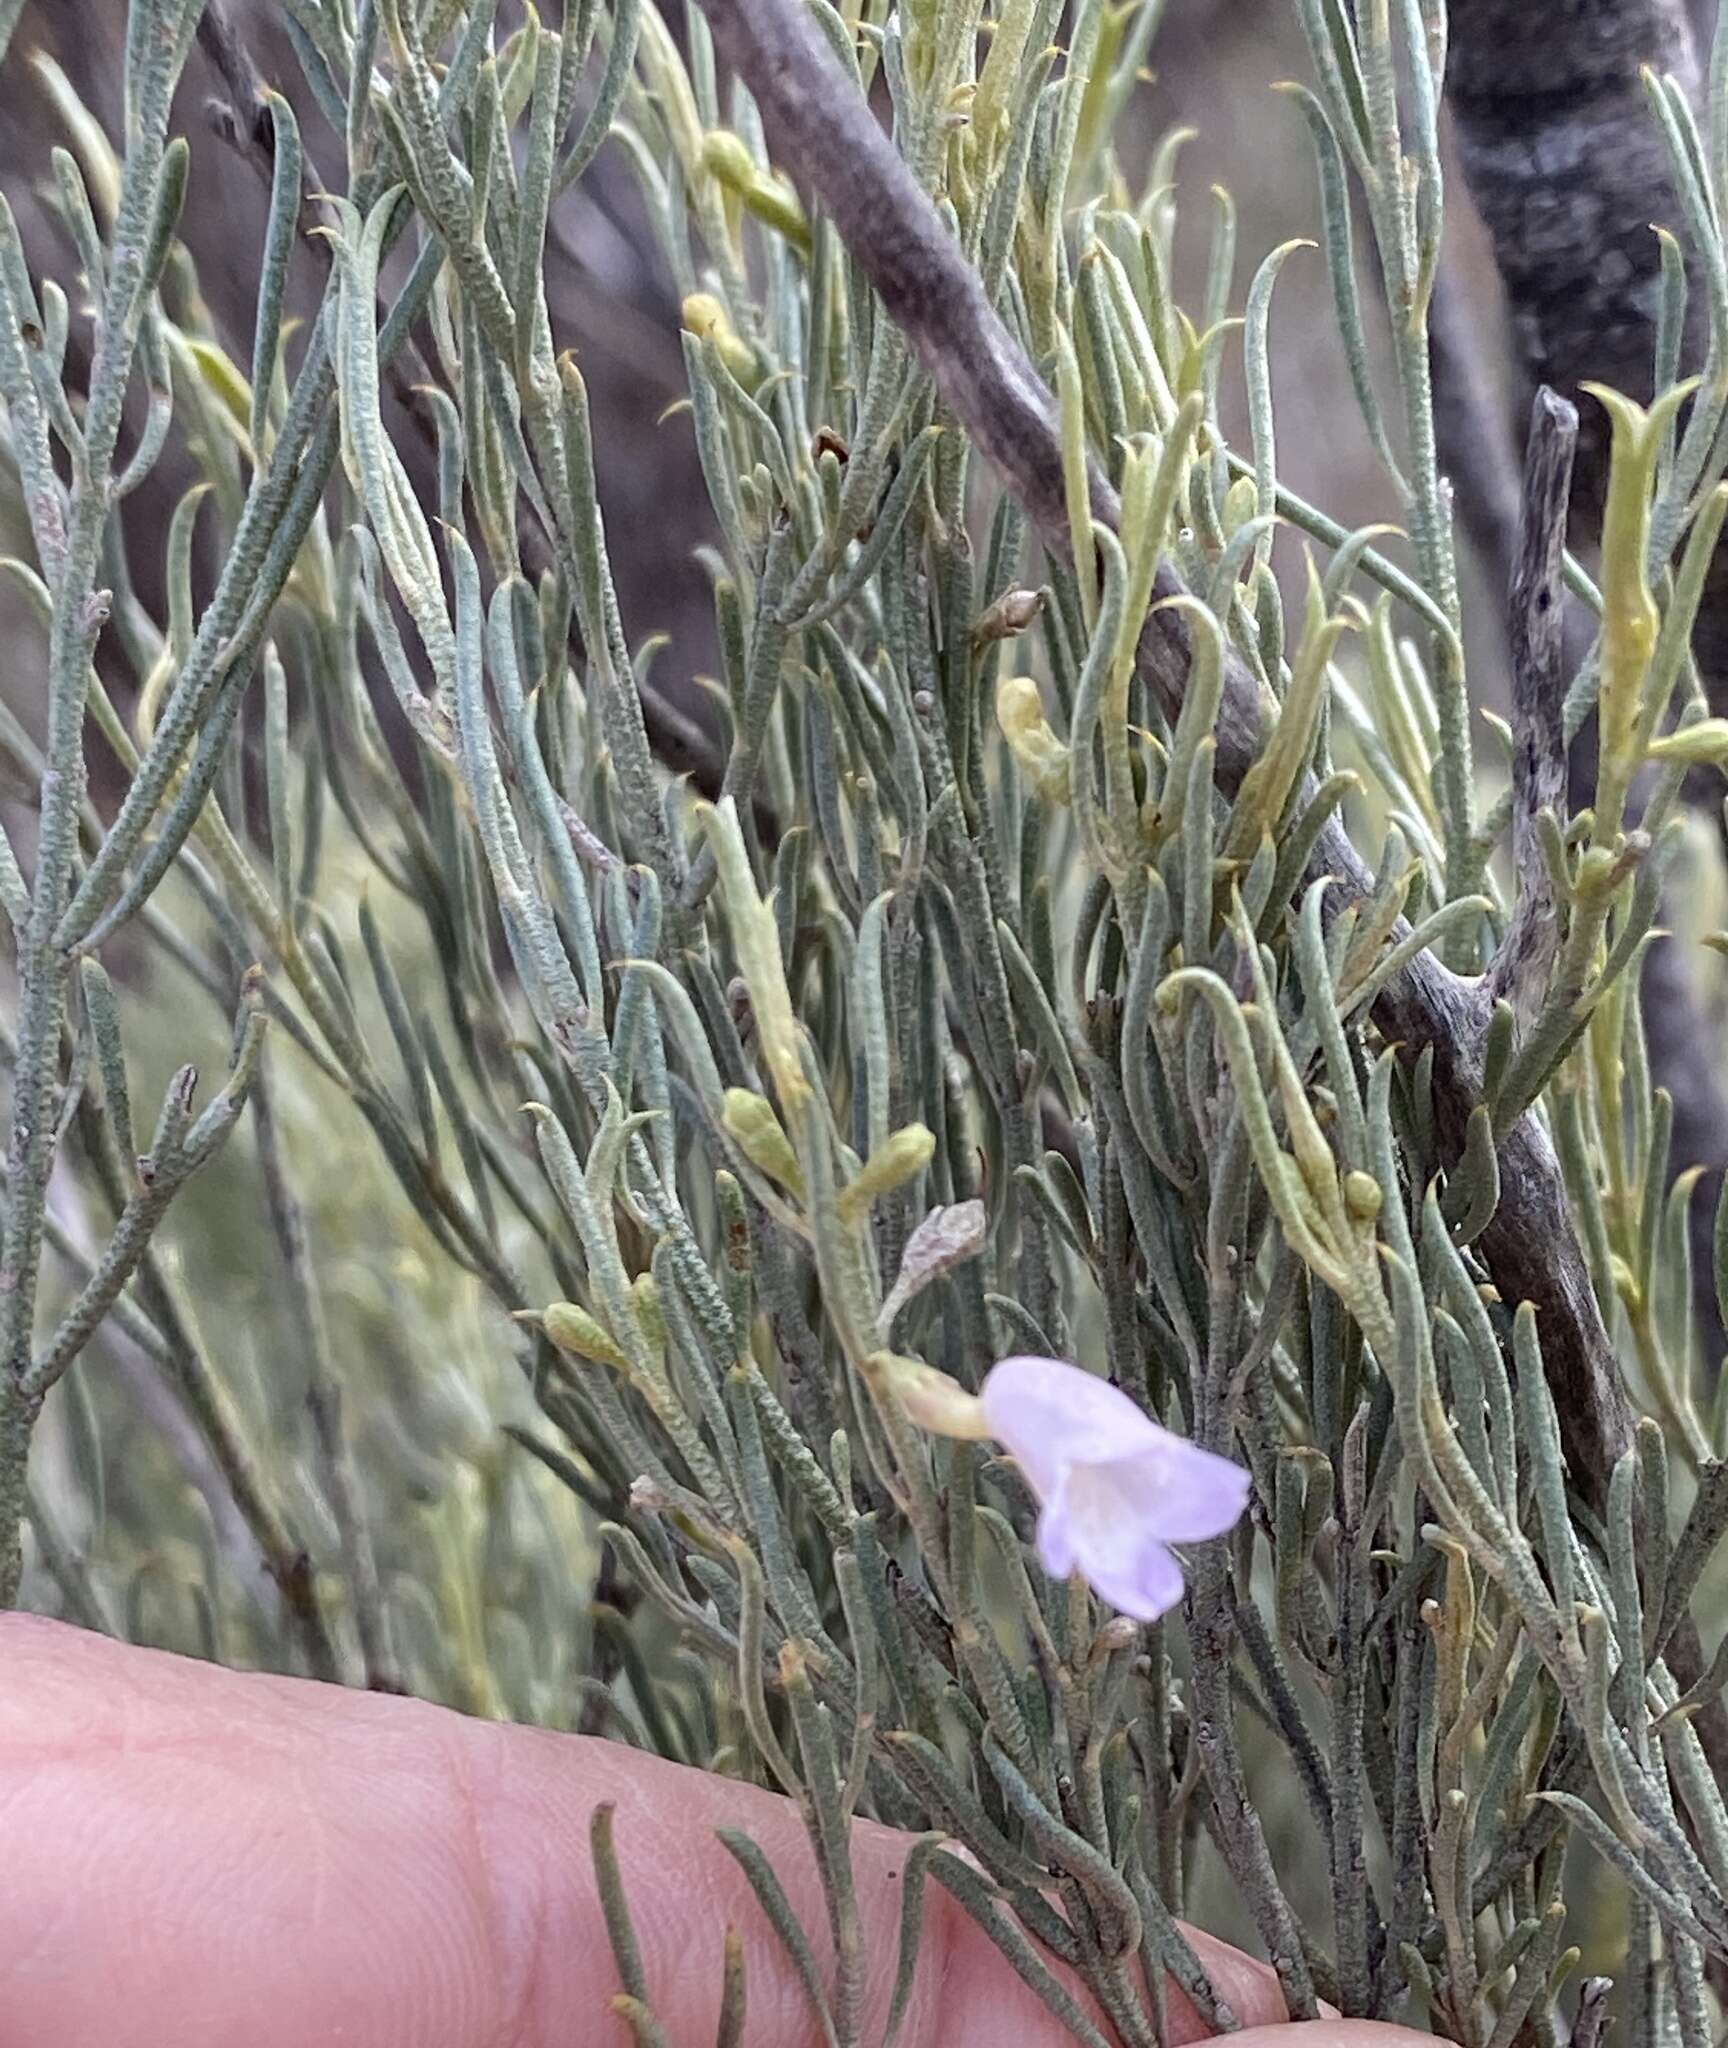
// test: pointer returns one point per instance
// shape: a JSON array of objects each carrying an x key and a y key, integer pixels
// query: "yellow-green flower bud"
[
  {"x": 1241, "y": 502},
  {"x": 1699, "y": 744},
  {"x": 758, "y": 1133},
  {"x": 900, "y": 1157},
  {"x": 705, "y": 317},
  {"x": 575, "y": 1331},
  {"x": 727, "y": 157},
  {"x": 1363, "y": 1196},
  {"x": 645, "y": 1295}
]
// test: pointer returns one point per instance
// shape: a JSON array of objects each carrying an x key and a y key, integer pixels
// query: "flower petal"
[
  {"x": 1147, "y": 1586},
  {"x": 1055, "y": 1417},
  {"x": 1118, "y": 1526},
  {"x": 1051, "y": 1414},
  {"x": 1183, "y": 1493},
  {"x": 1055, "y": 1535},
  {"x": 1135, "y": 1573}
]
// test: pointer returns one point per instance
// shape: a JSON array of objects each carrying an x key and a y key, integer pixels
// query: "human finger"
[{"x": 201, "y": 1855}]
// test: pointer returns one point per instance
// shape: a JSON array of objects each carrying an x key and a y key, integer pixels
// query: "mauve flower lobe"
[{"x": 1114, "y": 1487}]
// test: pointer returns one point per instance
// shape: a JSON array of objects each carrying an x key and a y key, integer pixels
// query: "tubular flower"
[{"x": 1115, "y": 1488}]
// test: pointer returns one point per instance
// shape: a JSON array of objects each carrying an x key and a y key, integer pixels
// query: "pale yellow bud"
[
  {"x": 1042, "y": 756},
  {"x": 930, "y": 1398}
]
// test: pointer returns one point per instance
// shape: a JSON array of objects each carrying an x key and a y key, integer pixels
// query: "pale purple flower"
[{"x": 1115, "y": 1488}]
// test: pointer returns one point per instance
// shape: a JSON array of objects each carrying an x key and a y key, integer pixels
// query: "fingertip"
[{"x": 1332, "y": 2033}]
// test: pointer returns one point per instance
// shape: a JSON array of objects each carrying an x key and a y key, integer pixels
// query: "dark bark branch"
[
  {"x": 826, "y": 137},
  {"x": 1564, "y": 161},
  {"x": 1525, "y": 961},
  {"x": 1561, "y": 155},
  {"x": 1566, "y": 166},
  {"x": 1562, "y": 158}
]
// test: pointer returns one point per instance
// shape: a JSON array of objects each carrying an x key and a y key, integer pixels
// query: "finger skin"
[{"x": 196, "y": 1856}]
